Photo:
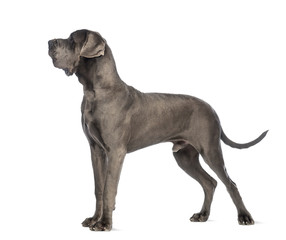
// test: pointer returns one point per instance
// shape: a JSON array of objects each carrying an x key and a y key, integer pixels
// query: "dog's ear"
[{"x": 93, "y": 46}]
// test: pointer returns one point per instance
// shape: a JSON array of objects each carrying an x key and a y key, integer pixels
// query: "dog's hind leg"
[
  {"x": 188, "y": 159},
  {"x": 213, "y": 157}
]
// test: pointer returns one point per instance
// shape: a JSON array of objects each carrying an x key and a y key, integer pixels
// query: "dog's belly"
[{"x": 142, "y": 143}]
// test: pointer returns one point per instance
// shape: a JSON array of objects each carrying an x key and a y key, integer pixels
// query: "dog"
[{"x": 118, "y": 119}]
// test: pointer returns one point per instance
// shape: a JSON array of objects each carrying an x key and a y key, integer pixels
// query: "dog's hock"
[{"x": 94, "y": 46}]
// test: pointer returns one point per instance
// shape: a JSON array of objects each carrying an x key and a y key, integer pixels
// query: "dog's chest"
[
  {"x": 87, "y": 107},
  {"x": 90, "y": 109},
  {"x": 90, "y": 122}
]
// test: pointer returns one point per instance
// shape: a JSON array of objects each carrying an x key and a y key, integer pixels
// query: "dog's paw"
[
  {"x": 245, "y": 219},
  {"x": 200, "y": 217},
  {"x": 101, "y": 226}
]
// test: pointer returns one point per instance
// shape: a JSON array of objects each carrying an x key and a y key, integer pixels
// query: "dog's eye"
[{"x": 71, "y": 43}]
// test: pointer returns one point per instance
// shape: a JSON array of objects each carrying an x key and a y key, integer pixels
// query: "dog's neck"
[{"x": 99, "y": 73}]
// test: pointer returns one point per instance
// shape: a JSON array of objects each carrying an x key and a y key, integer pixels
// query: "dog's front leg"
[
  {"x": 99, "y": 165},
  {"x": 115, "y": 162}
]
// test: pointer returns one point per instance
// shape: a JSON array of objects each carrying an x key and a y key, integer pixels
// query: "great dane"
[{"x": 118, "y": 119}]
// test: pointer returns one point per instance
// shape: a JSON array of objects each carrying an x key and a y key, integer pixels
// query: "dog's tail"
[{"x": 230, "y": 143}]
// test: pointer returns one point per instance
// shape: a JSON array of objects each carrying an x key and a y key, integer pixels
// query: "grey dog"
[{"x": 118, "y": 119}]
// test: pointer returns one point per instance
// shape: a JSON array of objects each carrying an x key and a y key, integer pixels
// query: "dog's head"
[{"x": 66, "y": 53}]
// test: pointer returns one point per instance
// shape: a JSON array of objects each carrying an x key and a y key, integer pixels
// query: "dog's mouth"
[
  {"x": 52, "y": 53},
  {"x": 69, "y": 71}
]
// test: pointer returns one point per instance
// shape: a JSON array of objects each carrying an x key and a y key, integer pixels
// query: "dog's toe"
[
  {"x": 245, "y": 219},
  {"x": 101, "y": 226},
  {"x": 89, "y": 222}
]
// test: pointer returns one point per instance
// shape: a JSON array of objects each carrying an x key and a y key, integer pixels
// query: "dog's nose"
[{"x": 52, "y": 43}]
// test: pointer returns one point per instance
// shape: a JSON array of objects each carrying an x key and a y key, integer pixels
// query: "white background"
[{"x": 232, "y": 54}]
